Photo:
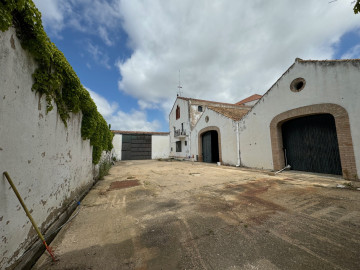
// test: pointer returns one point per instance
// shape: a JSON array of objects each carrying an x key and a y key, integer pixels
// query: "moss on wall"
[{"x": 54, "y": 76}]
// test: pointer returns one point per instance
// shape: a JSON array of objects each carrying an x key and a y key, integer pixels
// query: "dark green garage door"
[
  {"x": 136, "y": 147},
  {"x": 310, "y": 144},
  {"x": 210, "y": 148}
]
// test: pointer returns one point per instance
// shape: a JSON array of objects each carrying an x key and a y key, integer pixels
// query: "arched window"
[{"x": 177, "y": 112}]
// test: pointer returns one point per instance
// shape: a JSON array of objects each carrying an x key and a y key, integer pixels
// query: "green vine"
[
  {"x": 357, "y": 7},
  {"x": 54, "y": 76}
]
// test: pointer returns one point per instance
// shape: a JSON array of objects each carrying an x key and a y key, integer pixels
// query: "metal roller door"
[
  {"x": 310, "y": 144},
  {"x": 136, "y": 147}
]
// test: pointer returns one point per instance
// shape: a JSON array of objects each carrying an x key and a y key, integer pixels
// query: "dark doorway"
[
  {"x": 311, "y": 144},
  {"x": 136, "y": 147},
  {"x": 210, "y": 146}
]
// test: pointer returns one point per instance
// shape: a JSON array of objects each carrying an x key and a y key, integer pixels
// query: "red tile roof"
[
  {"x": 248, "y": 99},
  {"x": 232, "y": 113},
  {"x": 139, "y": 132}
]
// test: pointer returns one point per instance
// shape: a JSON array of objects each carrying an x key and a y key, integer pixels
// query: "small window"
[
  {"x": 177, "y": 112},
  {"x": 297, "y": 85},
  {"x": 171, "y": 149},
  {"x": 185, "y": 143},
  {"x": 178, "y": 146},
  {"x": 200, "y": 108}
]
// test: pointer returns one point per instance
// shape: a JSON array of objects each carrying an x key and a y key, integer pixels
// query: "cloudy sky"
[{"x": 128, "y": 53}]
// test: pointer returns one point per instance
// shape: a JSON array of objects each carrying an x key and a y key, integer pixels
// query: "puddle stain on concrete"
[{"x": 123, "y": 184}]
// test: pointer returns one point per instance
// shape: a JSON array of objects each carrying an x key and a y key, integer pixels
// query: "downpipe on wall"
[{"x": 238, "y": 145}]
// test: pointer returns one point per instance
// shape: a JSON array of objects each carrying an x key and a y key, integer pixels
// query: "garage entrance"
[
  {"x": 311, "y": 144},
  {"x": 136, "y": 147},
  {"x": 210, "y": 147}
]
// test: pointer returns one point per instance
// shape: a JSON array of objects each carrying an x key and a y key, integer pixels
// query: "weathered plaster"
[{"x": 49, "y": 163}]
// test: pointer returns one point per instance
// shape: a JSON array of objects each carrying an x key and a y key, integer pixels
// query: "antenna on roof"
[{"x": 179, "y": 93}]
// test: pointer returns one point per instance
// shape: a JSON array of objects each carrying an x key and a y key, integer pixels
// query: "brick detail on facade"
[
  {"x": 343, "y": 131},
  {"x": 200, "y": 133}
]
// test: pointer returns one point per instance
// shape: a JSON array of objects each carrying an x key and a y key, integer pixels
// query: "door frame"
[
  {"x": 342, "y": 123},
  {"x": 311, "y": 144},
  {"x": 200, "y": 133}
]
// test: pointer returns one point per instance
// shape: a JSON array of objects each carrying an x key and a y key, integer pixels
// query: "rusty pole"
[{"x": 7, "y": 176}]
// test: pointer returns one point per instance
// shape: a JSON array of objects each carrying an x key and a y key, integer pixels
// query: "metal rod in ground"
[
  {"x": 286, "y": 167},
  {"x": 7, "y": 176}
]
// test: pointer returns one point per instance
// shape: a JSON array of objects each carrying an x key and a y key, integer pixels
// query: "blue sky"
[{"x": 128, "y": 53}]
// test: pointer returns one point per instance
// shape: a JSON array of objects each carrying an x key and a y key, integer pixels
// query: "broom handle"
[{"x": 24, "y": 206}]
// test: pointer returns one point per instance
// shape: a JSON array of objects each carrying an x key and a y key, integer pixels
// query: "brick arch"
[
  {"x": 343, "y": 132},
  {"x": 200, "y": 133}
]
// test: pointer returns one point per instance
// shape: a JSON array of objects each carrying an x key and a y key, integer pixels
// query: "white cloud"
[
  {"x": 97, "y": 17},
  {"x": 146, "y": 105},
  {"x": 52, "y": 12},
  {"x": 104, "y": 35},
  {"x": 354, "y": 52},
  {"x": 120, "y": 120},
  {"x": 99, "y": 56},
  {"x": 104, "y": 107},
  {"x": 134, "y": 121},
  {"x": 226, "y": 50}
]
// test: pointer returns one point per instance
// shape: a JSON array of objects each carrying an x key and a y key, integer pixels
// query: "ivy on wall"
[{"x": 54, "y": 76}]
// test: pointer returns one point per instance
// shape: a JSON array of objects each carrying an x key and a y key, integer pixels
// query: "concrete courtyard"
[{"x": 183, "y": 215}]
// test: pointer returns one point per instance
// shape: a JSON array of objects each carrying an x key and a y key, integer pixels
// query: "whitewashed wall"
[
  {"x": 117, "y": 143},
  {"x": 160, "y": 146},
  {"x": 326, "y": 82},
  {"x": 195, "y": 114},
  {"x": 227, "y": 133},
  {"x": 49, "y": 164},
  {"x": 173, "y": 122}
]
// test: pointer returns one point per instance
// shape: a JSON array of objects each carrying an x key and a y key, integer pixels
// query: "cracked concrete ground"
[{"x": 183, "y": 215}]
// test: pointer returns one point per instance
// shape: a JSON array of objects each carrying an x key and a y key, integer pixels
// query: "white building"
[
  {"x": 309, "y": 119},
  {"x": 215, "y": 138},
  {"x": 189, "y": 120}
]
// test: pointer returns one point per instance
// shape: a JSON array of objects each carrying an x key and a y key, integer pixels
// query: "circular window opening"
[
  {"x": 297, "y": 85},
  {"x": 207, "y": 119}
]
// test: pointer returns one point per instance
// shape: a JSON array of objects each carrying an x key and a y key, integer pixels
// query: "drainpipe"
[
  {"x": 189, "y": 142},
  {"x": 238, "y": 144}
]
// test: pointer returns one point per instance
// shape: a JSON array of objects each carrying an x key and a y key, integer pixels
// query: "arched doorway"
[
  {"x": 212, "y": 143},
  {"x": 343, "y": 132},
  {"x": 310, "y": 144},
  {"x": 210, "y": 147}
]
